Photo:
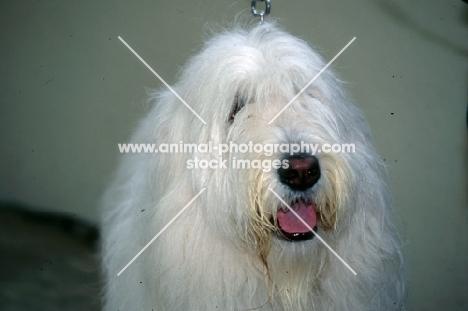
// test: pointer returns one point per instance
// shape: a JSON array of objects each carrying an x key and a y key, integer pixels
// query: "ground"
[{"x": 48, "y": 261}]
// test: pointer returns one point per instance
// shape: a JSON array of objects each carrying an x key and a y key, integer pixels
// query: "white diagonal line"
[
  {"x": 162, "y": 230},
  {"x": 313, "y": 79},
  {"x": 162, "y": 80},
  {"x": 308, "y": 227}
]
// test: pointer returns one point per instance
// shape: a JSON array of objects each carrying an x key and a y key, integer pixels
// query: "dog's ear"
[{"x": 237, "y": 105}]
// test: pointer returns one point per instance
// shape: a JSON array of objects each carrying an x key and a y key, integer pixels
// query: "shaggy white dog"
[{"x": 238, "y": 246}]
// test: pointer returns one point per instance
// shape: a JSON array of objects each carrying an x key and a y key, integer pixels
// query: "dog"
[{"x": 279, "y": 229}]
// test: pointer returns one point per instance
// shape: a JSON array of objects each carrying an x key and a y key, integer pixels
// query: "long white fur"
[{"x": 209, "y": 259}]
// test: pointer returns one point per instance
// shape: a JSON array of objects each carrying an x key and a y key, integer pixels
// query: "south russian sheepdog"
[{"x": 272, "y": 221}]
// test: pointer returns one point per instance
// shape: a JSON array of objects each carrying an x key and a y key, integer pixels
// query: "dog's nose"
[{"x": 302, "y": 173}]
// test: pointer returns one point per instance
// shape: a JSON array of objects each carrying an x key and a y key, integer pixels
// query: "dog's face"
[
  {"x": 306, "y": 183},
  {"x": 308, "y": 190},
  {"x": 242, "y": 87}
]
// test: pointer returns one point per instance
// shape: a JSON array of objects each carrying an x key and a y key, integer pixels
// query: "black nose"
[{"x": 302, "y": 173}]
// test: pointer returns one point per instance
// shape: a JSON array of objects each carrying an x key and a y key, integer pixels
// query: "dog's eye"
[{"x": 237, "y": 106}]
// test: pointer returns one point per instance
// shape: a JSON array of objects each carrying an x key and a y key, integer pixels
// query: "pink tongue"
[{"x": 289, "y": 222}]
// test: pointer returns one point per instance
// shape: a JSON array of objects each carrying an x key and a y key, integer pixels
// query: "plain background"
[{"x": 70, "y": 91}]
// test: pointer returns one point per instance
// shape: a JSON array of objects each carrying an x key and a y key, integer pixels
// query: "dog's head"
[
  {"x": 261, "y": 98},
  {"x": 265, "y": 87}
]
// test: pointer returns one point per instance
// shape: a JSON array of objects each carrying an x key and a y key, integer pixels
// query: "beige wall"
[{"x": 69, "y": 91}]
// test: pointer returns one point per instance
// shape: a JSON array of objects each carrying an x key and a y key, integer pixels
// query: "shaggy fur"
[{"x": 226, "y": 251}]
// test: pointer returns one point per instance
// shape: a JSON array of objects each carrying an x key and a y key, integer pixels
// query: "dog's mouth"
[{"x": 291, "y": 227}]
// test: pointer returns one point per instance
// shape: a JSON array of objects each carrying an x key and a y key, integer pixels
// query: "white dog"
[{"x": 240, "y": 244}]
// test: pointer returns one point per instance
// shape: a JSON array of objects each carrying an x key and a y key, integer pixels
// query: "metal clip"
[{"x": 262, "y": 13}]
